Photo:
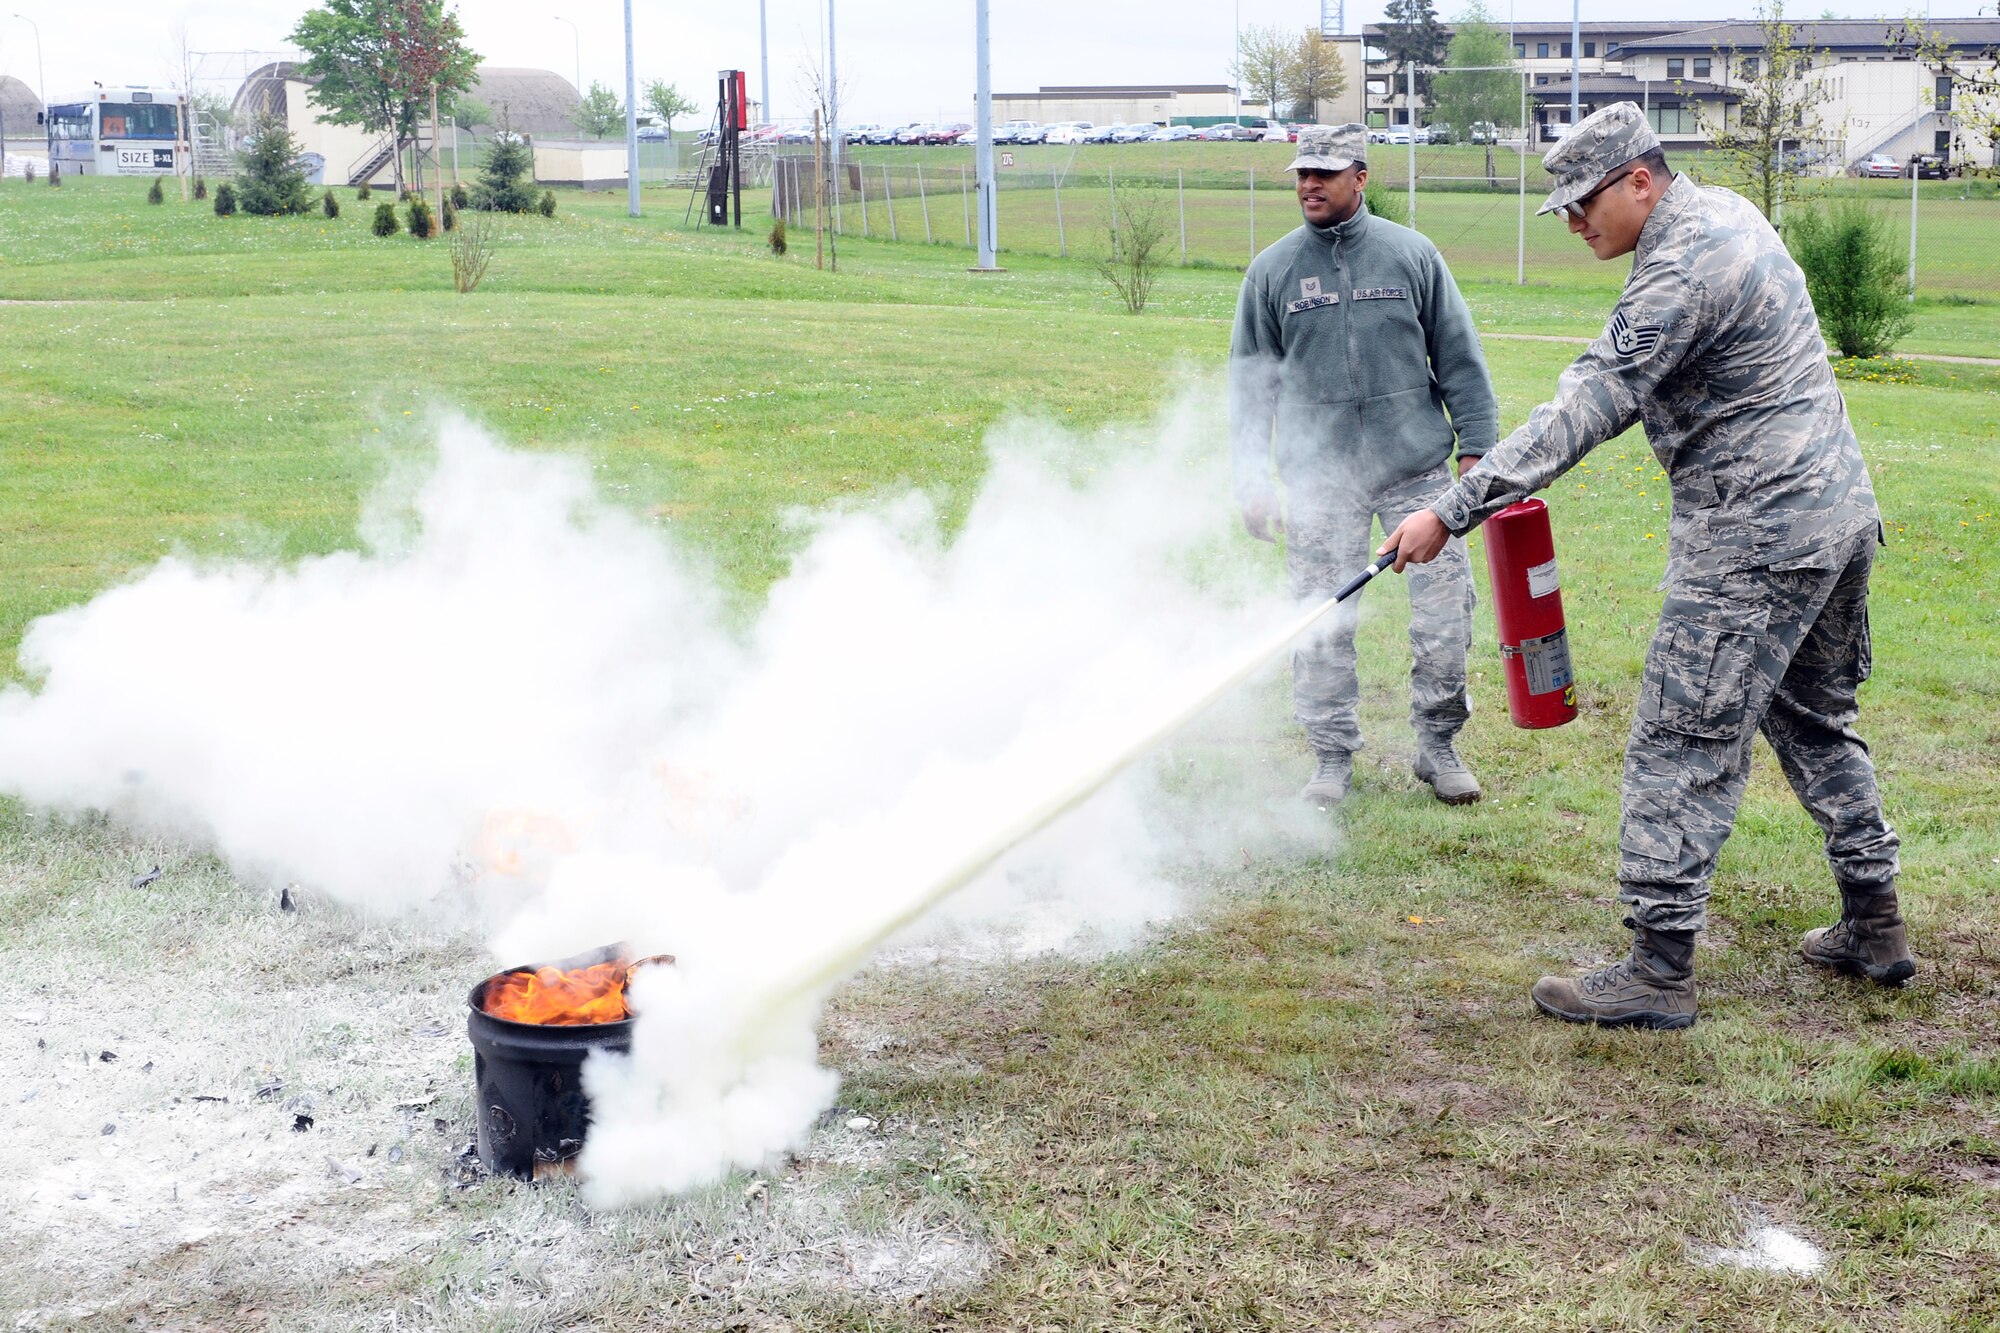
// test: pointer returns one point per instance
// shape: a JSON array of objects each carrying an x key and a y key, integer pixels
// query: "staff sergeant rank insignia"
[
  {"x": 1633, "y": 340},
  {"x": 1311, "y": 297}
]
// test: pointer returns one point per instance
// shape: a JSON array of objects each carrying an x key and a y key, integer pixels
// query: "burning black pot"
[{"x": 528, "y": 1077}]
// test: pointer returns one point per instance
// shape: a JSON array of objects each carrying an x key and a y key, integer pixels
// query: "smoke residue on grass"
[{"x": 519, "y": 698}]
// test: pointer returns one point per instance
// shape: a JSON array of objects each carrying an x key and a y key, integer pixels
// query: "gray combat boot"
[
  {"x": 1868, "y": 941},
  {"x": 1654, "y": 988},
  {"x": 1438, "y": 764},
  {"x": 1329, "y": 784}
]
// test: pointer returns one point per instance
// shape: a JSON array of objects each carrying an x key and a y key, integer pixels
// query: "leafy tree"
[
  {"x": 1264, "y": 55},
  {"x": 272, "y": 181},
  {"x": 1759, "y": 155},
  {"x": 225, "y": 200},
  {"x": 599, "y": 113},
  {"x": 1411, "y": 35},
  {"x": 1854, "y": 272},
  {"x": 506, "y": 181},
  {"x": 546, "y": 206},
  {"x": 665, "y": 101},
  {"x": 1137, "y": 223},
  {"x": 1314, "y": 74},
  {"x": 423, "y": 222},
  {"x": 385, "y": 223},
  {"x": 372, "y": 60},
  {"x": 469, "y": 111},
  {"x": 1470, "y": 89}
]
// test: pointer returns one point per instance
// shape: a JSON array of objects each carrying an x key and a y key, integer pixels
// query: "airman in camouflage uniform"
[
  {"x": 1715, "y": 348},
  {"x": 1351, "y": 346}
]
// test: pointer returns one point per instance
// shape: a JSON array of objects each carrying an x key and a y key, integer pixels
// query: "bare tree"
[
  {"x": 1762, "y": 154},
  {"x": 1966, "y": 88},
  {"x": 824, "y": 96}
]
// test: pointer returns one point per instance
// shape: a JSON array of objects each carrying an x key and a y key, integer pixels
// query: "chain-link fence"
[{"x": 1222, "y": 203}]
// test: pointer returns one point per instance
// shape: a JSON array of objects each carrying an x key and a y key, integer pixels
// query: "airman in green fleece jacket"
[{"x": 1355, "y": 375}]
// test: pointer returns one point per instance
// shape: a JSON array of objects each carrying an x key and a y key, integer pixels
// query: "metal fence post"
[
  {"x": 1180, "y": 197},
  {"x": 924, "y": 201},
  {"x": 861, "y": 181},
  {"x": 1913, "y": 228},
  {"x": 1062, "y": 239},
  {"x": 1253, "y": 212},
  {"x": 965, "y": 194},
  {"x": 1111, "y": 179},
  {"x": 889, "y": 202}
]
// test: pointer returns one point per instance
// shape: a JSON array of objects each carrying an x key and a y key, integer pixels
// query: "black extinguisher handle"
[{"x": 1354, "y": 584}]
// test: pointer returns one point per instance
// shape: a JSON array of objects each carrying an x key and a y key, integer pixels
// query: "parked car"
[
  {"x": 1134, "y": 133},
  {"x": 653, "y": 134},
  {"x": 952, "y": 133},
  {"x": 1031, "y": 134},
  {"x": 1934, "y": 166},
  {"x": 1172, "y": 134},
  {"x": 1010, "y": 132},
  {"x": 885, "y": 135},
  {"x": 1073, "y": 132},
  {"x": 910, "y": 134},
  {"x": 1878, "y": 164},
  {"x": 1225, "y": 131},
  {"x": 1274, "y": 133},
  {"x": 1440, "y": 134},
  {"x": 1101, "y": 133},
  {"x": 1482, "y": 131},
  {"x": 1399, "y": 135},
  {"x": 1555, "y": 131}
]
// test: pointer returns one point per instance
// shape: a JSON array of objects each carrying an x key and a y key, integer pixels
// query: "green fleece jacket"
[{"x": 1355, "y": 358}]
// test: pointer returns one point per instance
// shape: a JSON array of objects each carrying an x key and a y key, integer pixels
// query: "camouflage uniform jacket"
[
  {"x": 1716, "y": 348},
  {"x": 1355, "y": 341}
]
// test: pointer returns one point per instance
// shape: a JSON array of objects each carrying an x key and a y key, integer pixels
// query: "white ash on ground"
[{"x": 276, "y": 1137}]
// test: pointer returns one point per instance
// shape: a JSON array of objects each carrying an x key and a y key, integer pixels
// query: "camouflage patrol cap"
[
  {"x": 1330, "y": 148},
  {"x": 1600, "y": 144}
]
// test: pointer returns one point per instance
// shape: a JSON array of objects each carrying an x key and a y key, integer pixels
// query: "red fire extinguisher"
[{"x": 1528, "y": 608}]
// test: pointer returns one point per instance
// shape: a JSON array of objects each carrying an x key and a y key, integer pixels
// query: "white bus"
[{"x": 118, "y": 132}]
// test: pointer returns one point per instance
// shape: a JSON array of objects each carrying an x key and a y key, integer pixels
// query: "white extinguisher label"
[
  {"x": 1542, "y": 580},
  {"x": 1547, "y": 661}
]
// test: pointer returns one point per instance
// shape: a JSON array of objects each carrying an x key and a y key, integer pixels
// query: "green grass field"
[{"x": 1321, "y": 1102}]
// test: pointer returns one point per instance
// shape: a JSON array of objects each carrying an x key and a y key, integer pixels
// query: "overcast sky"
[{"x": 898, "y": 59}]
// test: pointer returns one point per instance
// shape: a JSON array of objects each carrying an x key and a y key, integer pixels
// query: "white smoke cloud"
[{"x": 519, "y": 693}]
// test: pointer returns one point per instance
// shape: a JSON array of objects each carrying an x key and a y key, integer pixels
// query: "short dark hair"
[{"x": 1655, "y": 161}]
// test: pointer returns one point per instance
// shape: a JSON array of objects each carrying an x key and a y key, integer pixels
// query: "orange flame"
[{"x": 551, "y": 996}]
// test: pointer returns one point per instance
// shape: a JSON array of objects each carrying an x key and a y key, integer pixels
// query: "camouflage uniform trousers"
[
  {"x": 1328, "y": 542},
  {"x": 1781, "y": 650}
]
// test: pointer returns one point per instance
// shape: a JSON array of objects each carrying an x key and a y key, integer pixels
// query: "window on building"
[
  {"x": 1677, "y": 68},
  {"x": 1541, "y": 79},
  {"x": 1610, "y": 50},
  {"x": 1589, "y": 49},
  {"x": 1701, "y": 67},
  {"x": 1565, "y": 50},
  {"x": 1671, "y": 118},
  {"x": 1542, "y": 50},
  {"x": 1944, "y": 92},
  {"x": 1749, "y": 70},
  {"x": 1520, "y": 50}
]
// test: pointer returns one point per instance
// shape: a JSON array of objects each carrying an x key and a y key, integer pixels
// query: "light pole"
[
  {"x": 632, "y": 124},
  {"x": 41, "y": 89},
  {"x": 764, "y": 63},
  {"x": 1236, "y": 72},
  {"x": 577, "y": 38},
  {"x": 1575, "y": 57},
  {"x": 989, "y": 213}
]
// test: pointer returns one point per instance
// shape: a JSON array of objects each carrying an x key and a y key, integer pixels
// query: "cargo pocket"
[{"x": 1698, "y": 670}]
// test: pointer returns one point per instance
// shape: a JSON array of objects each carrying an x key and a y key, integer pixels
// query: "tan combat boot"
[
  {"x": 1654, "y": 988},
  {"x": 1868, "y": 941},
  {"x": 1439, "y": 765},
  {"x": 1330, "y": 782}
]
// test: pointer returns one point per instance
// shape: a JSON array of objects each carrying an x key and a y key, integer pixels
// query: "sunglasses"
[{"x": 1574, "y": 208}]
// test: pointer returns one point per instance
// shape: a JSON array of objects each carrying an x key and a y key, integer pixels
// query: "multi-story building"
[{"x": 1878, "y": 98}]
